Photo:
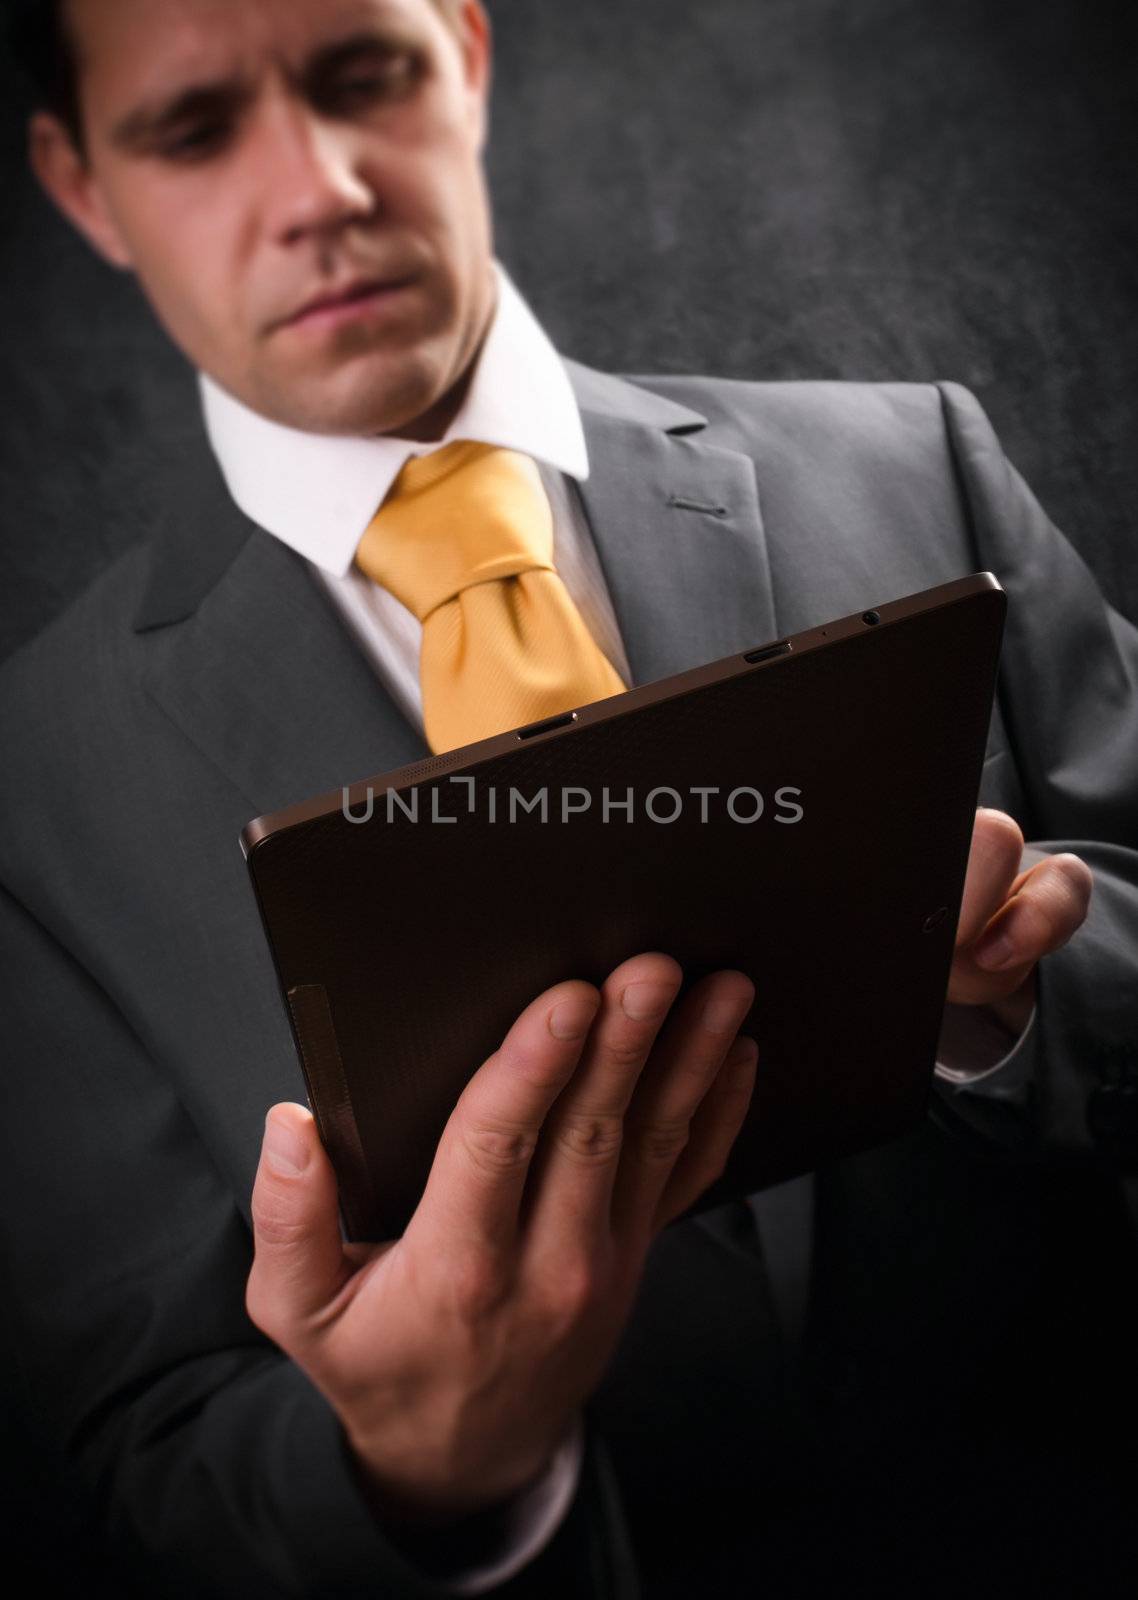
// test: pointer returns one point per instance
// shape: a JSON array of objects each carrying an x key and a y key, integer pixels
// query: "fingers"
[
  {"x": 580, "y": 1146},
  {"x": 298, "y": 1264},
  {"x": 993, "y": 862},
  {"x": 474, "y": 1191},
  {"x": 1049, "y": 904},
  {"x": 714, "y": 1129},
  {"x": 566, "y": 1116},
  {"x": 659, "y": 1126},
  {"x": 1036, "y": 913}
]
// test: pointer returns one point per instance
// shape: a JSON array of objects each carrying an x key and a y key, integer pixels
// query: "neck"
[{"x": 432, "y": 424}]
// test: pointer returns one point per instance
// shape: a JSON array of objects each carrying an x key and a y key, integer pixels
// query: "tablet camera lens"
[{"x": 871, "y": 617}]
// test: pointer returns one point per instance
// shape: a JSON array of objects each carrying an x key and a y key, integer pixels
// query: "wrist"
[
  {"x": 484, "y": 1548},
  {"x": 400, "y": 1501},
  {"x": 1013, "y": 1011}
]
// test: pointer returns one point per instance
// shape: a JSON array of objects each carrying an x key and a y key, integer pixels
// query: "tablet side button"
[
  {"x": 561, "y": 721},
  {"x": 783, "y": 648}
]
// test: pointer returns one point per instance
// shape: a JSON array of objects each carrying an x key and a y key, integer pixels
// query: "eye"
[
  {"x": 389, "y": 78},
  {"x": 195, "y": 143}
]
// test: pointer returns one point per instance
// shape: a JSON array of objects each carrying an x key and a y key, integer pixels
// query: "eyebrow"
[{"x": 215, "y": 95}]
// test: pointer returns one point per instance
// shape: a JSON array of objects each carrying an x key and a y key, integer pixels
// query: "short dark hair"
[{"x": 41, "y": 43}]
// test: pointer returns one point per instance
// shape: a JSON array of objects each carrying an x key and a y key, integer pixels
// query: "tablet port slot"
[
  {"x": 550, "y": 722},
  {"x": 767, "y": 652}
]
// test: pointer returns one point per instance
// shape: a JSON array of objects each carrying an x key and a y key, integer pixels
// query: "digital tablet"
[{"x": 801, "y": 811}]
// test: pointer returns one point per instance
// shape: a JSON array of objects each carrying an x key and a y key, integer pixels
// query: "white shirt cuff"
[
  {"x": 530, "y": 1521},
  {"x": 976, "y": 1052},
  {"x": 985, "y": 1073}
]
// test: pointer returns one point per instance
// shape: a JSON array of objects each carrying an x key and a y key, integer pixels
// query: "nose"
[{"x": 311, "y": 184}]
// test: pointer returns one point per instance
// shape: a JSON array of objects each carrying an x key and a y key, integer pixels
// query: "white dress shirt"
[{"x": 317, "y": 493}]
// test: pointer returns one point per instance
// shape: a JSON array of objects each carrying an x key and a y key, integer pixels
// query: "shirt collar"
[{"x": 318, "y": 492}]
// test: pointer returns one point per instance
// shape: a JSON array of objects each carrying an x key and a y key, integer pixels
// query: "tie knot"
[{"x": 465, "y": 514}]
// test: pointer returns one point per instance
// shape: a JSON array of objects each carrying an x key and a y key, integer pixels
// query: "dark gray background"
[
  {"x": 760, "y": 188},
  {"x": 778, "y": 189}
]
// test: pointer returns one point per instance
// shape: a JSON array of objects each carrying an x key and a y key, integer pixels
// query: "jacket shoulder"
[
  {"x": 817, "y": 410},
  {"x": 927, "y": 435}
]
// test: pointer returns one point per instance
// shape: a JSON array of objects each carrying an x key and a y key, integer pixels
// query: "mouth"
[{"x": 361, "y": 298}]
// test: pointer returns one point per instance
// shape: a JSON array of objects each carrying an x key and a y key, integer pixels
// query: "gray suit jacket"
[{"x": 203, "y": 679}]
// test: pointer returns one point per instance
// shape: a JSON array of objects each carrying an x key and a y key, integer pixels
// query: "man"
[{"x": 255, "y": 1407}]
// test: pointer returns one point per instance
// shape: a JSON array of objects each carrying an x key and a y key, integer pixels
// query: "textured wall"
[{"x": 763, "y": 188}]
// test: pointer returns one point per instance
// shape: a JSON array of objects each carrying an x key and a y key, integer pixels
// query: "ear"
[
  {"x": 70, "y": 183},
  {"x": 473, "y": 28}
]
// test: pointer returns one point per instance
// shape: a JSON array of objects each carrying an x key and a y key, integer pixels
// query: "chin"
[{"x": 363, "y": 397}]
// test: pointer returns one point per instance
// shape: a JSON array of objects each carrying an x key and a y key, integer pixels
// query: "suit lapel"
[
  {"x": 247, "y": 654},
  {"x": 677, "y": 526}
]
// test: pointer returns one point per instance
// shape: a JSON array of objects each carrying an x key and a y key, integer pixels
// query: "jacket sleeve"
[
  {"x": 1068, "y": 697},
  {"x": 211, "y": 1464}
]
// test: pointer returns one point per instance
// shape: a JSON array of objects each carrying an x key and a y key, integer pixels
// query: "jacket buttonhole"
[{"x": 683, "y": 502}]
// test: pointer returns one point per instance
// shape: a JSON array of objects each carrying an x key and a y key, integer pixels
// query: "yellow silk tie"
[{"x": 465, "y": 540}]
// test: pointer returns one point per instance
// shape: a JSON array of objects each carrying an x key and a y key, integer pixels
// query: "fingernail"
[
  {"x": 995, "y": 953},
  {"x": 571, "y": 1019},
  {"x": 646, "y": 1001},
  {"x": 286, "y": 1148},
  {"x": 742, "y": 1058},
  {"x": 721, "y": 1015}
]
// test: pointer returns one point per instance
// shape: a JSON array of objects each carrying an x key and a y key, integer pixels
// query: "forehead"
[{"x": 135, "y": 41}]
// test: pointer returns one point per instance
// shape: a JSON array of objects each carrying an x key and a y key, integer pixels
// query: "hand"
[
  {"x": 457, "y": 1356},
  {"x": 1009, "y": 918}
]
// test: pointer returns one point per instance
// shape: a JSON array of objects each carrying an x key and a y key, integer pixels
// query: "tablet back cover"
[{"x": 406, "y": 943}]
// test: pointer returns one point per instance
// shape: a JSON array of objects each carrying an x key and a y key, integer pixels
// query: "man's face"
[{"x": 246, "y": 159}]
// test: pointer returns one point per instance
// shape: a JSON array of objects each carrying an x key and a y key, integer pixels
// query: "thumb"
[{"x": 299, "y": 1262}]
